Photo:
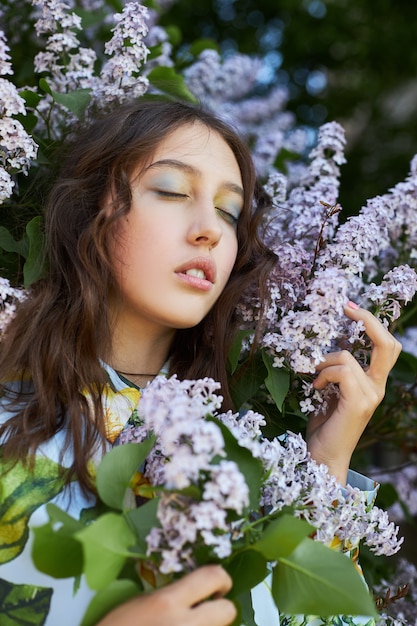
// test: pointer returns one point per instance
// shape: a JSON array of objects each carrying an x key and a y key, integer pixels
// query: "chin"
[{"x": 191, "y": 322}]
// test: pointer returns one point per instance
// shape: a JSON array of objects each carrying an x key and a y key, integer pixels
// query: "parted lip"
[{"x": 199, "y": 263}]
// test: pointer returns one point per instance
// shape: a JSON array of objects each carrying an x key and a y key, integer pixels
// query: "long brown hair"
[{"x": 63, "y": 328}]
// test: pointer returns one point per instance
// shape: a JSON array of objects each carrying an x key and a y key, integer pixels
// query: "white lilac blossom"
[
  {"x": 5, "y": 64},
  {"x": 64, "y": 63},
  {"x": 69, "y": 65},
  {"x": 17, "y": 148},
  {"x": 190, "y": 452},
  {"x": 9, "y": 298},
  {"x": 120, "y": 76}
]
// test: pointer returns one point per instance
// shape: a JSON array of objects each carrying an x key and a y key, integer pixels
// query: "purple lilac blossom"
[
  {"x": 190, "y": 450},
  {"x": 227, "y": 86},
  {"x": 321, "y": 264}
]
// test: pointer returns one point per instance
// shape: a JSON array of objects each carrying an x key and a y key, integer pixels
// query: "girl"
[{"x": 152, "y": 234}]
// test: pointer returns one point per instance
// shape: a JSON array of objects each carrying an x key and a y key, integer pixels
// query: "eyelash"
[
  {"x": 170, "y": 194},
  {"x": 228, "y": 217}
]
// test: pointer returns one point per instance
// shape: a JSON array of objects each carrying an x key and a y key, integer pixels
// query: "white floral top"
[{"x": 30, "y": 598}]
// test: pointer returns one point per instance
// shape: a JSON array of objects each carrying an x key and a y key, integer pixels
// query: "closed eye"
[
  {"x": 229, "y": 217},
  {"x": 170, "y": 194}
]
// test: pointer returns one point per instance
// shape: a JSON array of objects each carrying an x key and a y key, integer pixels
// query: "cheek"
[
  {"x": 126, "y": 253},
  {"x": 229, "y": 258}
]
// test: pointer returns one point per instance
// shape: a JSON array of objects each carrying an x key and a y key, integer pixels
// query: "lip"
[{"x": 199, "y": 263}]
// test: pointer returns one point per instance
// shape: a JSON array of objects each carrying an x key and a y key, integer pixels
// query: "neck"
[
  {"x": 139, "y": 380},
  {"x": 139, "y": 356}
]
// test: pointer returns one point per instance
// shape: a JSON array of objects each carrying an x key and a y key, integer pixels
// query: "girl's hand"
[
  {"x": 195, "y": 600},
  {"x": 332, "y": 437}
]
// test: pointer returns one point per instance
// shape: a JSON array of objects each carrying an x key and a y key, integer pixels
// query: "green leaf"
[
  {"x": 23, "y": 605},
  {"x": 144, "y": 518},
  {"x": 250, "y": 467},
  {"x": 277, "y": 381},
  {"x": 68, "y": 524},
  {"x": 30, "y": 247},
  {"x": 247, "y": 379},
  {"x": 30, "y": 97},
  {"x": 33, "y": 267},
  {"x": 106, "y": 544},
  {"x": 55, "y": 551},
  {"x": 43, "y": 84},
  {"x": 8, "y": 243},
  {"x": 387, "y": 496},
  {"x": 282, "y": 536},
  {"x": 75, "y": 101},
  {"x": 199, "y": 45},
  {"x": 246, "y": 615},
  {"x": 117, "y": 469},
  {"x": 236, "y": 349},
  {"x": 247, "y": 569},
  {"x": 174, "y": 34},
  {"x": 316, "y": 580},
  {"x": 105, "y": 600},
  {"x": 91, "y": 18},
  {"x": 28, "y": 122},
  {"x": 169, "y": 82}
]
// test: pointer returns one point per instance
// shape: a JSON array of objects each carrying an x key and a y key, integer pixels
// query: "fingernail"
[{"x": 352, "y": 305}]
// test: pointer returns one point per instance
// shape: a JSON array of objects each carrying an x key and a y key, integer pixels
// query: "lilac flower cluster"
[
  {"x": 185, "y": 452},
  {"x": 322, "y": 264},
  {"x": 226, "y": 86},
  {"x": 190, "y": 452},
  {"x": 17, "y": 147},
  {"x": 293, "y": 478},
  {"x": 9, "y": 297},
  {"x": 121, "y": 75},
  {"x": 110, "y": 75},
  {"x": 69, "y": 66}
]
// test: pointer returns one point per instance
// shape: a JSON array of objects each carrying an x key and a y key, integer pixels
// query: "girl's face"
[{"x": 176, "y": 247}]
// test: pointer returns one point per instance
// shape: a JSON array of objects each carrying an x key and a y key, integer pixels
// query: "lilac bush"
[{"x": 324, "y": 259}]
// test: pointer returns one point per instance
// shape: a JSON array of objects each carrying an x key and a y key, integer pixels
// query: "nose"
[{"x": 205, "y": 227}]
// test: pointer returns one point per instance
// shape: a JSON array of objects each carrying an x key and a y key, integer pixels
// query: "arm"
[
  {"x": 195, "y": 600},
  {"x": 332, "y": 437}
]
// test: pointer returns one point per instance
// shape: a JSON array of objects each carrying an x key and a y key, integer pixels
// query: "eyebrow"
[{"x": 190, "y": 169}]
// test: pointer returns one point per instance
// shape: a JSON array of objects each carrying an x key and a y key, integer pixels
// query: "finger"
[
  {"x": 214, "y": 612},
  {"x": 386, "y": 348},
  {"x": 201, "y": 584},
  {"x": 349, "y": 378},
  {"x": 339, "y": 368}
]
